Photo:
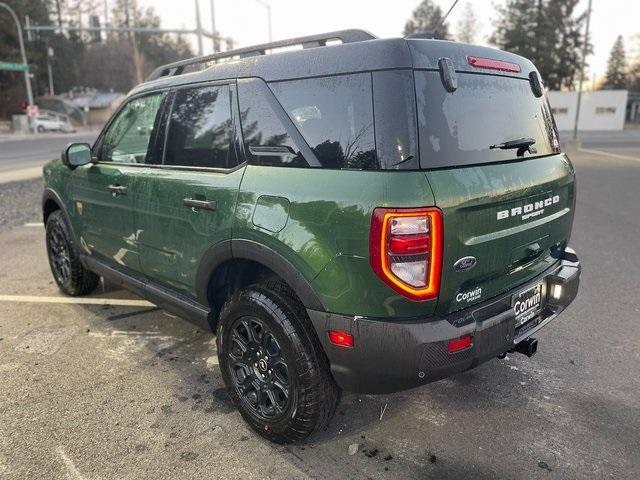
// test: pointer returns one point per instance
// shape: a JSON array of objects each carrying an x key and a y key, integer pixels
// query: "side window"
[
  {"x": 335, "y": 117},
  {"x": 201, "y": 129},
  {"x": 127, "y": 139},
  {"x": 267, "y": 141}
]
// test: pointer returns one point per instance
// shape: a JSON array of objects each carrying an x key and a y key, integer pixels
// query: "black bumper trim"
[{"x": 392, "y": 355}]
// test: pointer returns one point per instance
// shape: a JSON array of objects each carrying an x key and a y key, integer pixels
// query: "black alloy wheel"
[
  {"x": 68, "y": 271},
  {"x": 259, "y": 371},
  {"x": 273, "y": 365},
  {"x": 59, "y": 254}
]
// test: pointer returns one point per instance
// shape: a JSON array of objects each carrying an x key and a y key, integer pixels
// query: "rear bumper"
[{"x": 392, "y": 355}]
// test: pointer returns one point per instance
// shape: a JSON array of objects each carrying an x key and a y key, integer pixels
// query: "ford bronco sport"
[{"x": 360, "y": 214}]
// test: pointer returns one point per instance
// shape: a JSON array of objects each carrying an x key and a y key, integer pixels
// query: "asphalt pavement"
[{"x": 116, "y": 388}]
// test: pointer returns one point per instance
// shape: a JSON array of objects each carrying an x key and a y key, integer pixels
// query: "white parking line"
[
  {"x": 34, "y": 224},
  {"x": 72, "y": 471},
  {"x": 609, "y": 154},
  {"x": 74, "y": 300}
]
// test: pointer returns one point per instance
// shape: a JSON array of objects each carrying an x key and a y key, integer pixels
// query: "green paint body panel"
[
  {"x": 509, "y": 251},
  {"x": 172, "y": 237},
  {"x": 326, "y": 236},
  {"x": 319, "y": 220}
]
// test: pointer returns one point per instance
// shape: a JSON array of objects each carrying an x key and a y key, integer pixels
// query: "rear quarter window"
[
  {"x": 457, "y": 128},
  {"x": 335, "y": 117}
]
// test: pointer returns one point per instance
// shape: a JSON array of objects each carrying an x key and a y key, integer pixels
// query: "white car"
[{"x": 51, "y": 124}]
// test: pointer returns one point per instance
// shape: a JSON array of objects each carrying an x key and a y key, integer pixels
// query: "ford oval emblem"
[{"x": 465, "y": 263}]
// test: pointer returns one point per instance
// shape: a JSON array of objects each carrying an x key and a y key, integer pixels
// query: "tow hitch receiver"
[{"x": 527, "y": 347}]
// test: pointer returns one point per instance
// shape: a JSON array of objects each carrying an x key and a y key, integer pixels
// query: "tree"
[
  {"x": 12, "y": 89},
  {"x": 616, "y": 77},
  {"x": 548, "y": 32},
  {"x": 634, "y": 69},
  {"x": 468, "y": 25},
  {"x": 425, "y": 19},
  {"x": 156, "y": 49}
]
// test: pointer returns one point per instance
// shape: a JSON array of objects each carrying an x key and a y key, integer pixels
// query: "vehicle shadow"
[
  {"x": 176, "y": 343},
  {"x": 378, "y": 425}
]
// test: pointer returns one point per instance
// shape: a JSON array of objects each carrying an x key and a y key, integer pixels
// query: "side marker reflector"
[
  {"x": 342, "y": 339},
  {"x": 460, "y": 344}
]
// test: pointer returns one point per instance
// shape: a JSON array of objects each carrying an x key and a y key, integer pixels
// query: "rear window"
[{"x": 457, "y": 128}]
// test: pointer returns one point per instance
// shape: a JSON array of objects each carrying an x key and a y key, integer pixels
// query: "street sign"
[
  {"x": 32, "y": 111},
  {"x": 15, "y": 67}
]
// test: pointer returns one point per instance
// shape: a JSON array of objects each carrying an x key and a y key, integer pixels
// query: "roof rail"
[{"x": 311, "y": 41}]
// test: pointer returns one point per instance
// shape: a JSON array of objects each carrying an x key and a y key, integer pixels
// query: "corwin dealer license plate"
[{"x": 526, "y": 304}]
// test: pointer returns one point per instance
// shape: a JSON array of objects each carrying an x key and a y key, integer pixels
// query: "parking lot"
[{"x": 112, "y": 387}]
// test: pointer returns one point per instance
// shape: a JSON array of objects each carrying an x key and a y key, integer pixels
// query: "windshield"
[{"x": 459, "y": 128}]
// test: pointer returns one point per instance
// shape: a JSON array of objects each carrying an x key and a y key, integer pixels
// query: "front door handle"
[
  {"x": 203, "y": 204},
  {"x": 117, "y": 190}
]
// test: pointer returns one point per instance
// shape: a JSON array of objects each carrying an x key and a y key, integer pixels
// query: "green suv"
[{"x": 360, "y": 214}]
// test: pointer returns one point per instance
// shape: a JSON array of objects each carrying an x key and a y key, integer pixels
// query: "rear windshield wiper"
[
  {"x": 522, "y": 144},
  {"x": 410, "y": 157}
]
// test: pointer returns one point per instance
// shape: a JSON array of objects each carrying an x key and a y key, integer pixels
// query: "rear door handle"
[
  {"x": 201, "y": 204},
  {"x": 117, "y": 190}
]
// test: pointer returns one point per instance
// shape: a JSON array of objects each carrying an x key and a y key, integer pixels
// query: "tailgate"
[{"x": 513, "y": 218}]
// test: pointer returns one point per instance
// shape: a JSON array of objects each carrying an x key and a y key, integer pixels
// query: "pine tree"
[
  {"x": 425, "y": 19},
  {"x": 616, "y": 77},
  {"x": 468, "y": 25},
  {"x": 634, "y": 77},
  {"x": 548, "y": 32}
]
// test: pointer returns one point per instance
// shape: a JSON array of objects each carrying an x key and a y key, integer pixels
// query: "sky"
[{"x": 246, "y": 20}]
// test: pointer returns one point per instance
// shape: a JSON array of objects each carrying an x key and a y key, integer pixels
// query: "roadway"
[{"x": 22, "y": 158}]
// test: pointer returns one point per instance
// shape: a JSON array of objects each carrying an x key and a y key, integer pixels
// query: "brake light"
[
  {"x": 491, "y": 64},
  {"x": 405, "y": 250}
]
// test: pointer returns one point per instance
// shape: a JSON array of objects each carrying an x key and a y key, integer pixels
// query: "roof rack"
[{"x": 310, "y": 41}]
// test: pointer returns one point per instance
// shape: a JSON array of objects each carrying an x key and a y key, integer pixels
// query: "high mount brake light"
[
  {"x": 491, "y": 64},
  {"x": 405, "y": 250}
]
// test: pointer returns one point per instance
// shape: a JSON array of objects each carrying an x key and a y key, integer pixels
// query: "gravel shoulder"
[{"x": 20, "y": 203}]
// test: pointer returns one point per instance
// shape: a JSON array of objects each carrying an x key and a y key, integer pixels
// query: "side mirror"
[{"x": 76, "y": 155}]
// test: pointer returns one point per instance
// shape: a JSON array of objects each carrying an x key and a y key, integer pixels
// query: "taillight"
[
  {"x": 491, "y": 64},
  {"x": 405, "y": 248}
]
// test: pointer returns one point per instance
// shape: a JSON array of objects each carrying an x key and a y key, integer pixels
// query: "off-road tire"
[
  {"x": 73, "y": 278},
  {"x": 314, "y": 395}
]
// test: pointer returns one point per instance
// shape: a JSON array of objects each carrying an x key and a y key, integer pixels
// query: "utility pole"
[
  {"x": 199, "y": 30},
  {"x": 27, "y": 81},
  {"x": 59, "y": 10},
  {"x": 213, "y": 26},
  {"x": 106, "y": 20},
  {"x": 49, "y": 70},
  {"x": 268, "y": 7},
  {"x": 584, "y": 56},
  {"x": 137, "y": 68}
]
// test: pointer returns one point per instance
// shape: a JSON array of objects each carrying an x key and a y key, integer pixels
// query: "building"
[
  {"x": 599, "y": 110},
  {"x": 91, "y": 108},
  {"x": 97, "y": 106}
]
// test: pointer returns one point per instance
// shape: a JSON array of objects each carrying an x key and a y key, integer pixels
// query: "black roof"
[{"x": 360, "y": 52}]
